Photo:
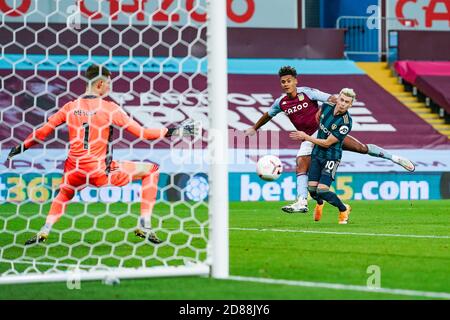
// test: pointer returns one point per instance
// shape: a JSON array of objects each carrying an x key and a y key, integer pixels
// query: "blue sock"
[
  {"x": 376, "y": 151},
  {"x": 314, "y": 195},
  {"x": 302, "y": 185},
  {"x": 332, "y": 199}
]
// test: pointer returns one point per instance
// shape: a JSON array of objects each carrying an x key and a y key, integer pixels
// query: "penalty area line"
[
  {"x": 365, "y": 234},
  {"x": 346, "y": 287}
]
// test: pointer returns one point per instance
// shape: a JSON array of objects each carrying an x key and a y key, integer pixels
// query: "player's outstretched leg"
[
  {"x": 122, "y": 173},
  {"x": 354, "y": 145},
  {"x": 57, "y": 209},
  {"x": 376, "y": 151},
  {"x": 149, "y": 174}
]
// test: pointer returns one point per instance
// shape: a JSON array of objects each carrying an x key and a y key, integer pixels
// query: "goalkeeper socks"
[
  {"x": 314, "y": 195},
  {"x": 144, "y": 222},
  {"x": 332, "y": 199},
  {"x": 376, "y": 151},
  {"x": 302, "y": 186},
  {"x": 46, "y": 228},
  {"x": 148, "y": 198},
  {"x": 59, "y": 204}
]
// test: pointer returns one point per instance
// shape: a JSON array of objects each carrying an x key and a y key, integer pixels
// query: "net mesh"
[{"x": 156, "y": 51}]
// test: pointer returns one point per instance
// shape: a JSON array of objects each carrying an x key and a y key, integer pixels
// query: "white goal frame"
[{"x": 217, "y": 261}]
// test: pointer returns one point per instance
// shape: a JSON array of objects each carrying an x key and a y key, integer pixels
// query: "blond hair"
[{"x": 349, "y": 93}]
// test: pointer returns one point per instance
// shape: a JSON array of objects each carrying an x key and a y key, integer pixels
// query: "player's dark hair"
[
  {"x": 287, "y": 71},
  {"x": 94, "y": 71}
]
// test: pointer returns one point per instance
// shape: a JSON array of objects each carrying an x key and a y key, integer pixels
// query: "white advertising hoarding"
[{"x": 418, "y": 15}]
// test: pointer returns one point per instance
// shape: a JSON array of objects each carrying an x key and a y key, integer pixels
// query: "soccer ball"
[{"x": 269, "y": 168}]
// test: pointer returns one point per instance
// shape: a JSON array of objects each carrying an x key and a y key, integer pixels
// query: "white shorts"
[{"x": 306, "y": 147}]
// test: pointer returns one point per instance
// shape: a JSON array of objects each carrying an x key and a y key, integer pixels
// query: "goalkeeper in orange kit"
[{"x": 90, "y": 119}]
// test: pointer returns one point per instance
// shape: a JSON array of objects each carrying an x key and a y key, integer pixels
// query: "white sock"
[
  {"x": 302, "y": 186},
  {"x": 46, "y": 228},
  {"x": 145, "y": 222},
  {"x": 376, "y": 151}
]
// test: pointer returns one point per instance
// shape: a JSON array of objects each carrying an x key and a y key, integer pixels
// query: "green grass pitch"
[{"x": 407, "y": 240}]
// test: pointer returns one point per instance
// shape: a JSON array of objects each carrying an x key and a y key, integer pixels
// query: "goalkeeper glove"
[
  {"x": 186, "y": 129},
  {"x": 16, "y": 150}
]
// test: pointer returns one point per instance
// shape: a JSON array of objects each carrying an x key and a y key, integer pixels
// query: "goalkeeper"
[{"x": 90, "y": 119}]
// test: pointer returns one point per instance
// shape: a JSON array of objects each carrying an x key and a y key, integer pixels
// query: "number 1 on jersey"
[{"x": 86, "y": 135}]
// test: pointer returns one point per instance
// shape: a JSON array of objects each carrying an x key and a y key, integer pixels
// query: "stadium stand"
[
  {"x": 410, "y": 70},
  {"x": 430, "y": 81},
  {"x": 437, "y": 88},
  {"x": 409, "y": 50}
]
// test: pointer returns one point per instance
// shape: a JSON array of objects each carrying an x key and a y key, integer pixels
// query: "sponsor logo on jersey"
[
  {"x": 296, "y": 108},
  {"x": 343, "y": 130},
  {"x": 346, "y": 120},
  {"x": 322, "y": 127}
]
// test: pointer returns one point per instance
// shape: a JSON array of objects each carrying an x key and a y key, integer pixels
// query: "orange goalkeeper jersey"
[{"x": 90, "y": 120}]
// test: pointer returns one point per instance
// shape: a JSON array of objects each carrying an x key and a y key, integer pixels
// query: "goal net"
[{"x": 162, "y": 59}]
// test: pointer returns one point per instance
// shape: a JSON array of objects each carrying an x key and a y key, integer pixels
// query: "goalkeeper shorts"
[{"x": 121, "y": 173}]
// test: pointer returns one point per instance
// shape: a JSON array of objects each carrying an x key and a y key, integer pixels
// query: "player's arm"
[
  {"x": 266, "y": 117},
  {"x": 261, "y": 121},
  {"x": 121, "y": 119},
  {"x": 339, "y": 133},
  {"x": 318, "y": 95},
  {"x": 41, "y": 133},
  {"x": 332, "y": 99},
  {"x": 325, "y": 143}
]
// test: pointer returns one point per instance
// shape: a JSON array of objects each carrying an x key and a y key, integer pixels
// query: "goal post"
[
  {"x": 169, "y": 61},
  {"x": 217, "y": 96}
]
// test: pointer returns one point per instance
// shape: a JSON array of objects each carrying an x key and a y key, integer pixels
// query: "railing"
[{"x": 364, "y": 35}]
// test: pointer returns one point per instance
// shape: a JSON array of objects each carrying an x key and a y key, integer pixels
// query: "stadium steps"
[
  {"x": 413, "y": 105},
  {"x": 406, "y": 99},
  {"x": 437, "y": 122},
  {"x": 383, "y": 76}
]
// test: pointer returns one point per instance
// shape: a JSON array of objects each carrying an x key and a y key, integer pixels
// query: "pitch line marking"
[
  {"x": 297, "y": 283},
  {"x": 339, "y": 286},
  {"x": 345, "y": 233}
]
